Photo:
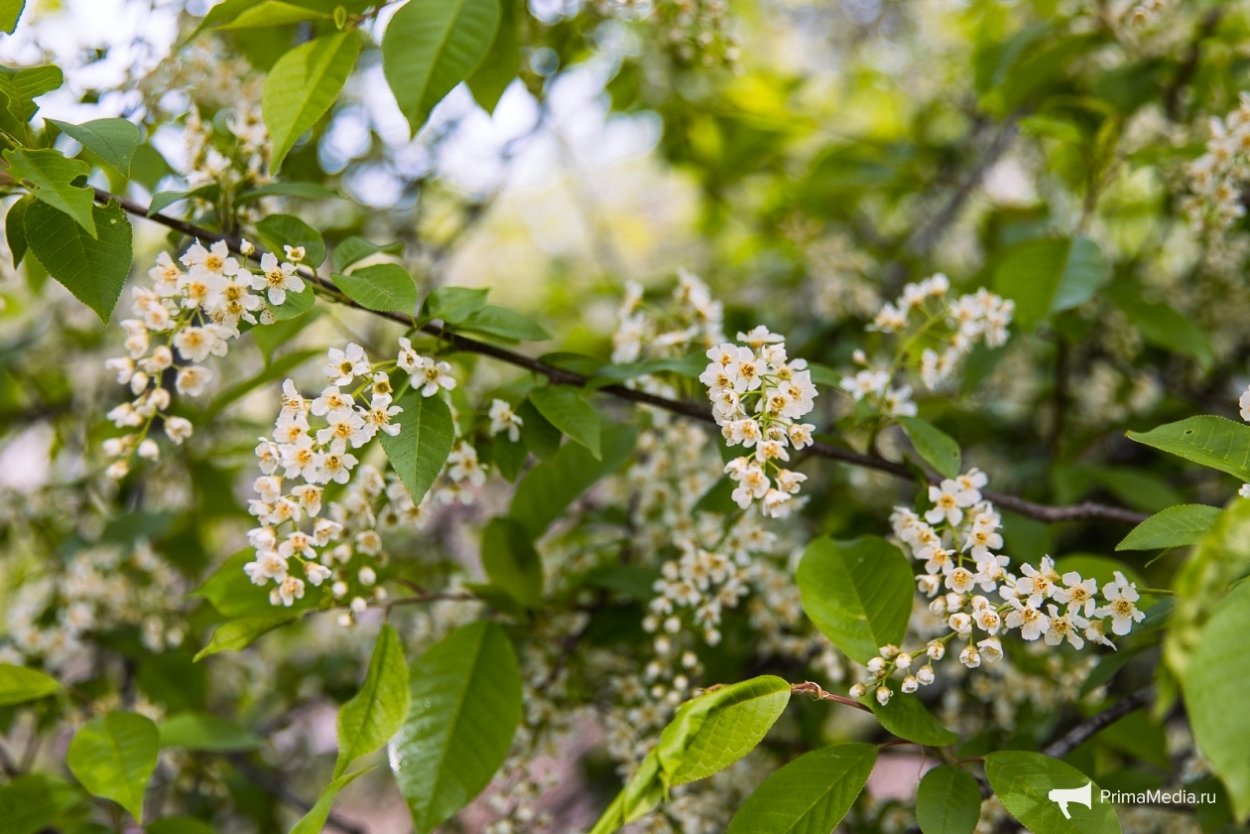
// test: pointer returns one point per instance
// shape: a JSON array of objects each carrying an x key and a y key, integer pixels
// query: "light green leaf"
[
  {"x": 810, "y": 795},
  {"x": 502, "y": 61},
  {"x": 375, "y": 713},
  {"x": 1218, "y": 678},
  {"x": 1022, "y": 780},
  {"x": 1178, "y": 526},
  {"x": 19, "y": 684},
  {"x": 50, "y": 176},
  {"x": 713, "y": 730},
  {"x": 22, "y": 86},
  {"x": 1208, "y": 440},
  {"x": 1050, "y": 275},
  {"x": 1220, "y": 558},
  {"x": 934, "y": 445},
  {"x": 425, "y": 438},
  {"x": 93, "y": 269},
  {"x": 279, "y": 230},
  {"x": 552, "y": 485},
  {"x": 948, "y": 801},
  {"x": 354, "y": 249},
  {"x": 858, "y": 593},
  {"x": 387, "y": 288},
  {"x": 466, "y": 705},
  {"x": 10, "y": 13},
  {"x": 229, "y": 590},
  {"x": 114, "y": 756},
  {"x": 113, "y": 140},
  {"x": 164, "y": 199},
  {"x": 303, "y": 85},
  {"x": 511, "y": 562},
  {"x": 430, "y": 46},
  {"x": 454, "y": 304},
  {"x": 504, "y": 323},
  {"x": 567, "y": 410},
  {"x": 237, "y": 635},
  {"x": 314, "y": 822},
  {"x": 199, "y": 731},
  {"x": 254, "y": 14},
  {"x": 904, "y": 716}
]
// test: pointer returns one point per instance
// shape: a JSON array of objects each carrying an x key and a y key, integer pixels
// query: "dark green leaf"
[
  {"x": 504, "y": 323},
  {"x": 948, "y": 801},
  {"x": 354, "y": 249},
  {"x": 93, "y": 269},
  {"x": 15, "y": 229},
  {"x": 502, "y": 60},
  {"x": 466, "y": 705},
  {"x": 1208, "y": 440},
  {"x": 387, "y": 288},
  {"x": 934, "y": 445},
  {"x": 425, "y": 438},
  {"x": 858, "y": 593},
  {"x": 430, "y": 46},
  {"x": 904, "y": 716},
  {"x": 810, "y": 795},
  {"x": 1022, "y": 781},
  {"x": 511, "y": 562},
  {"x": 278, "y": 230},
  {"x": 566, "y": 409},
  {"x": 1050, "y": 275},
  {"x": 552, "y": 485}
]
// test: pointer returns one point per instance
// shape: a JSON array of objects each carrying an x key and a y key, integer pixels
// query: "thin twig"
[
  {"x": 1085, "y": 511},
  {"x": 1088, "y": 728}
]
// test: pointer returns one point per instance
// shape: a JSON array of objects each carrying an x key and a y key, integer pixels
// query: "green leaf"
[
  {"x": 253, "y": 14},
  {"x": 354, "y": 249},
  {"x": 387, "y": 288},
  {"x": 10, "y": 13},
  {"x": 511, "y": 562},
  {"x": 303, "y": 85},
  {"x": 92, "y": 268},
  {"x": 552, "y": 485},
  {"x": 200, "y": 731},
  {"x": 278, "y": 230},
  {"x": 50, "y": 176},
  {"x": 1218, "y": 678},
  {"x": 1163, "y": 325},
  {"x": 713, "y": 730},
  {"x": 19, "y": 684},
  {"x": 1178, "y": 526},
  {"x": 33, "y": 802},
  {"x": 23, "y": 86},
  {"x": 906, "y": 717},
  {"x": 229, "y": 590},
  {"x": 810, "y": 795},
  {"x": 314, "y": 822},
  {"x": 1022, "y": 781},
  {"x": 502, "y": 61},
  {"x": 430, "y": 46},
  {"x": 454, "y": 304},
  {"x": 425, "y": 438},
  {"x": 375, "y": 713},
  {"x": 1050, "y": 275},
  {"x": 179, "y": 825},
  {"x": 296, "y": 304},
  {"x": 270, "y": 337},
  {"x": 114, "y": 756},
  {"x": 1208, "y": 440},
  {"x": 466, "y": 705},
  {"x": 934, "y": 445},
  {"x": 948, "y": 801},
  {"x": 567, "y": 410},
  {"x": 113, "y": 140},
  {"x": 15, "y": 228},
  {"x": 504, "y": 323},
  {"x": 237, "y": 635},
  {"x": 858, "y": 593},
  {"x": 164, "y": 199}
]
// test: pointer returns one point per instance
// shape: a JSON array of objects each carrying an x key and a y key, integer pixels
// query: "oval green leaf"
[
  {"x": 948, "y": 801},
  {"x": 114, "y": 756},
  {"x": 810, "y": 795},
  {"x": 375, "y": 713},
  {"x": 1023, "y": 781}
]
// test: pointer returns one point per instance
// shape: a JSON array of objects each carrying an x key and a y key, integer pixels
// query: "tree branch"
[
  {"x": 1088, "y": 728},
  {"x": 1084, "y": 511}
]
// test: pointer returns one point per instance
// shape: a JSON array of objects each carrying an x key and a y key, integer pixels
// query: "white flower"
[
  {"x": 1244, "y": 403},
  {"x": 379, "y": 415},
  {"x": 277, "y": 278},
  {"x": 178, "y": 428},
  {"x": 1122, "y": 597},
  {"x": 947, "y": 498},
  {"x": 431, "y": 375},
  {"x": 1031, "y": 622},
  {"x": 409, "y": 360},
  {"x": 1077, "y": 594},
  {"x": 192, "y": 380},
  {"x": 503, "y": 418},
  {"x": 343, "y": 366}
]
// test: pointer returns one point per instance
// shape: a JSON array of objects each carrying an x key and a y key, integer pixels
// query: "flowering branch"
[{"x": 1083, "y": 511}]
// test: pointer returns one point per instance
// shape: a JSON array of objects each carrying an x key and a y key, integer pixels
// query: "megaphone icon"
[{"x": 1062, "y": 796}]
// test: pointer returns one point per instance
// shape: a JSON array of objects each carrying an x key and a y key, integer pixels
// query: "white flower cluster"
[
  {"x": 692, "y": 320},
  {"x": 245, "y": 160},
  {"x": 957, "y": 539},
  {"x": 758, "y": 396},
  {"x": 100, "y": 589},
  {"x": 180, "y": 320},
  {"x": 944, "y": 331},
  {"x": 1216, "y": 178}
]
